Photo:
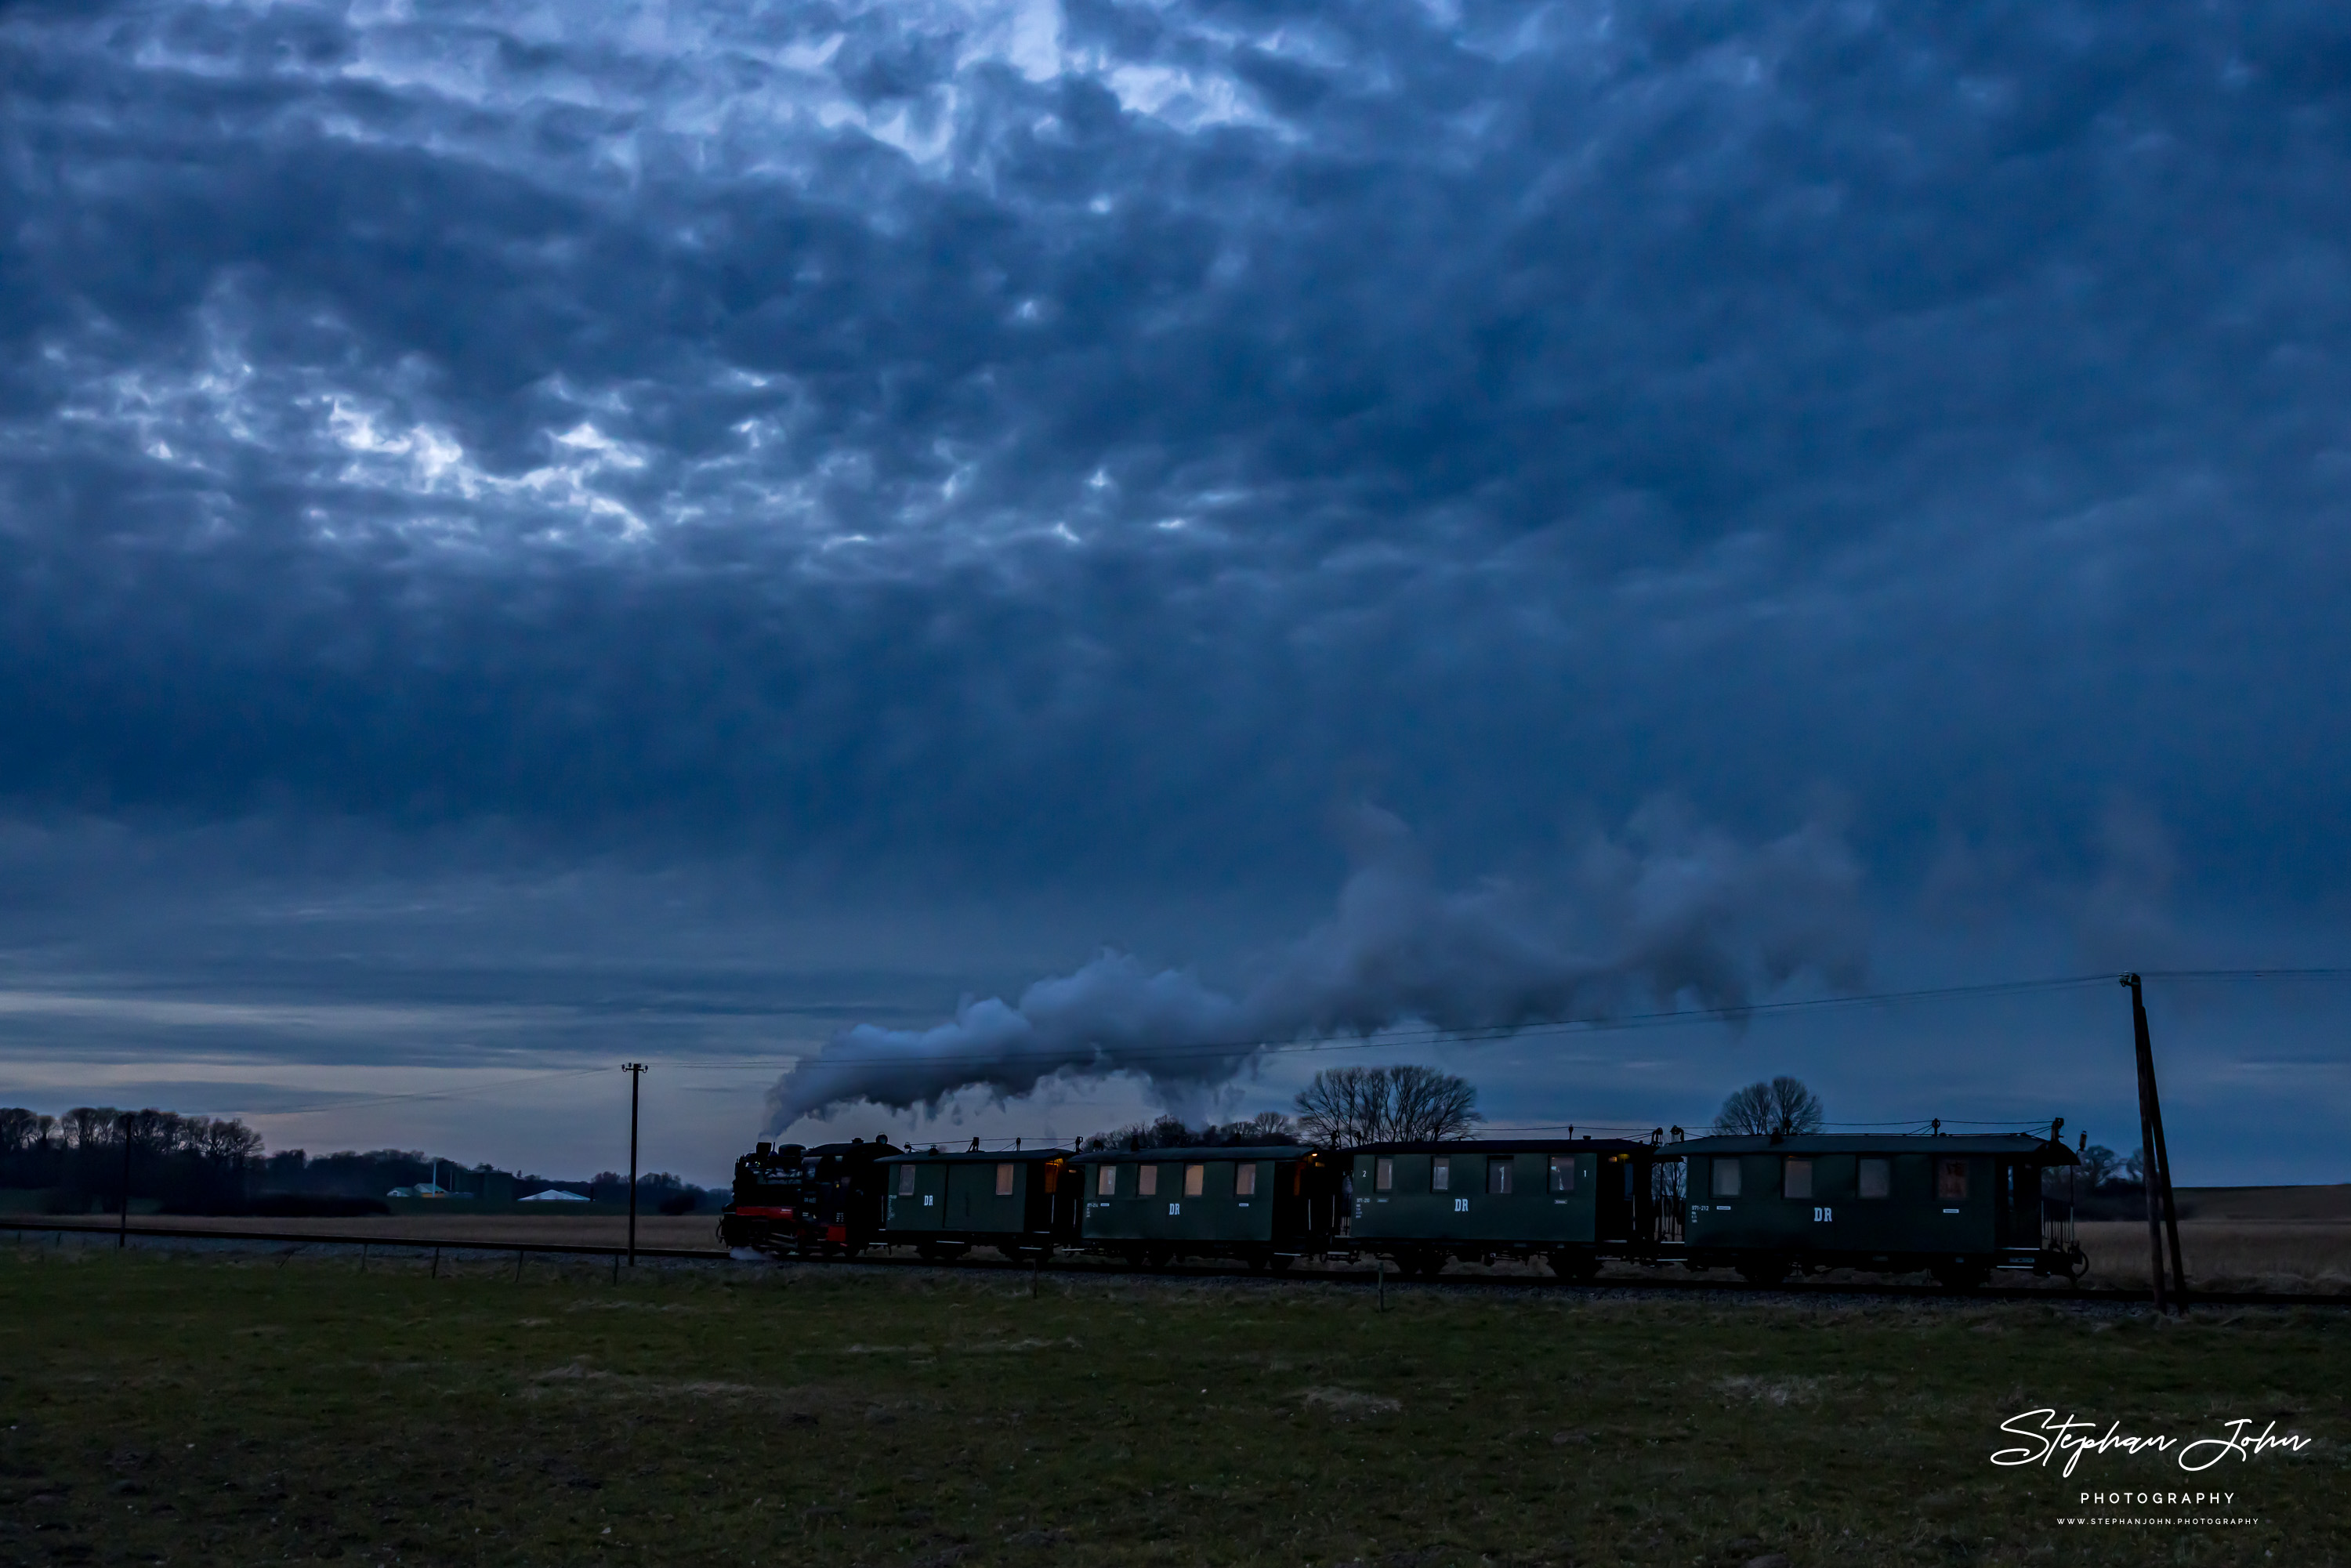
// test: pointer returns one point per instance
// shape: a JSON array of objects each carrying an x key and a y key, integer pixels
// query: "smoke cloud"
[{"x": 1667, "y": 911}]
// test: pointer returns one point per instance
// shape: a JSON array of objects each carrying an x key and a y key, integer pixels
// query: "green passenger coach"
[
  {"x": 1264, "y": 1206},
  {"x": 1023, "y": 1203},
  {"x": 1569, "y": 1201},
  {"x": 1958, "y": 1208}
]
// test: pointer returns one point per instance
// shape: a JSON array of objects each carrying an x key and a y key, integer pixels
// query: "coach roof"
[
  {"x": 2015, "y": 1144},
  {"x": 1561, "y": 1145},
  {"x": 974, "y": 1156},
  {"x": 1198, "y": 1156}
]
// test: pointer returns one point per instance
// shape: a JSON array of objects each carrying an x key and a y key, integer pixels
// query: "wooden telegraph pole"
[
  {"x": 2155, "y": 1160},
  {"x": 122, "y": 1230},
  {"x": 636, "y": 1071}
]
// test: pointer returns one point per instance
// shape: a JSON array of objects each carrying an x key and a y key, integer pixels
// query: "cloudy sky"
[{"x": 532, "y": 534}]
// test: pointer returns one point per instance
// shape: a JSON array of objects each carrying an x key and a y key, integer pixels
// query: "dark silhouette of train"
[{"x": 1958, "y": 1208}]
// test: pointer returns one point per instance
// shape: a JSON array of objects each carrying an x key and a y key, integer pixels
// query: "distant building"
[{"x": 554, "y": 1195}]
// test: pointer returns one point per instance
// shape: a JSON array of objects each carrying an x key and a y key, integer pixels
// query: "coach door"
[
  {"x": 1615, "y": 1207},
  {"x": 2016, "y": 1189}
]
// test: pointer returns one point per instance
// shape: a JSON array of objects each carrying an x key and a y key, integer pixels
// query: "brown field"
[
  {"x": 2228, "y": 1255},
  {"x": 691, "y": 1230},
  {"x": 2235, "y": 1239},
  {"x": 2266, "y": 1202},
  {"x": 2286, "y": 1238}
]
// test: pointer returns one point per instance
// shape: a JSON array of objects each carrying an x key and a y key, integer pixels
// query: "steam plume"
[{"x": 1667, "y": 911}]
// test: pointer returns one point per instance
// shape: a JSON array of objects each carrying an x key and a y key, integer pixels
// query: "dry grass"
[{"x": 2228, "y": 1255}]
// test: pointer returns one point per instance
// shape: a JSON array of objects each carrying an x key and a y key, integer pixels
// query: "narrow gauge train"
[
  {"x": 1267, "y": 1207},
  {"x": 1957, "y": 1207},
  {"x": 1024, "y": 1204},
  {"x": 1573, "y": 1203}
]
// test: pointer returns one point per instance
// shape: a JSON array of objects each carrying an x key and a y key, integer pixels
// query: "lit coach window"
[
  {"x": 1498, "y": 1173},
  {"x": 1245, "y": 1179},
  {"x": 1195, "y": 1180},
  {"x": 1383, "y": 1176},
  {"x": 1004, "y": 1180},
  {"x": 906, "y": 1181},
  {"x": 1441, "y": 1174},
  {"x": 1951, "y": 1181},
  {"x": 1563, "y": 1173},
  {"x": 1106, "y": 1183},
  {"x": 1147, "y": 1180}
]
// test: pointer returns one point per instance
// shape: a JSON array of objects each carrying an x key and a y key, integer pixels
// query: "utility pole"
[
  {"x": 2154, "y": 1161},
  {"x": 122, "y": 1230},
  {"x": 636, "y": 1071}
]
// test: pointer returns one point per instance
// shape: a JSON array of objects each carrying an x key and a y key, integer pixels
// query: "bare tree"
[
  {"x": 1387, "y": 1104},
  {"x": 1265, "y": 1127},
  {"x": 22, "y": 1130},
  {"x": 1780, "y": 1107},
  {"x": 89, "y": 1126},
  {"x": 1344, "y": 1105},
  {"x": 1429, "y": 1105}
]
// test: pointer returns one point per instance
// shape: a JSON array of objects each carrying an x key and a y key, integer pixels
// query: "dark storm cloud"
[{"x": 1011, "y": 447}]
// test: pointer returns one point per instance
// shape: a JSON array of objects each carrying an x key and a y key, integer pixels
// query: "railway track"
[{"x": 1081, "y": 1264}]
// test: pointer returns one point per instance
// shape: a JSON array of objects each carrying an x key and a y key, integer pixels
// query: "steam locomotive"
[{"x": 1957, "y": 1207}]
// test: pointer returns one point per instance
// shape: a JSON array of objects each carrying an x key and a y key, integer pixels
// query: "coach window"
[
  {"x": 1726, "y": 1178},
  {"x": 1106, "y": 1182},
  {"x": 1498, "y": 1173},
  {"x": 1797, "y": 1180},
  {"x": 1245, "y": 1179},
  {"x": 1004, "y": 1180},
  {"x": 1195, "y": 1180},
  {"x": 1441, "y": 1174},
  {"x": 1563, "y": 1173},
  {"x": 1383, "y": 1176},
  {"x": 1951, "y": 1181},
  {"x": 906, "y": 1181},
  {"x": 1148, "y": 1182},
  {"x": 1876, "y": 1178}
]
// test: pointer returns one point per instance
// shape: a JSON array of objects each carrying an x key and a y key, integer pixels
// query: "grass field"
[{"x": 203, "y": 1408}]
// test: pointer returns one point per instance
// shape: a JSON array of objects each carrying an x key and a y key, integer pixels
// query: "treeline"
[
  {"x": 194, "y": 1165},
  {"x": 1175, "y": 1133},
  {"x": 73, "y": 1163}
]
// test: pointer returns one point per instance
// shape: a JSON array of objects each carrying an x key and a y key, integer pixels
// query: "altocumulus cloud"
[{"x": 1069, "y": 446}]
